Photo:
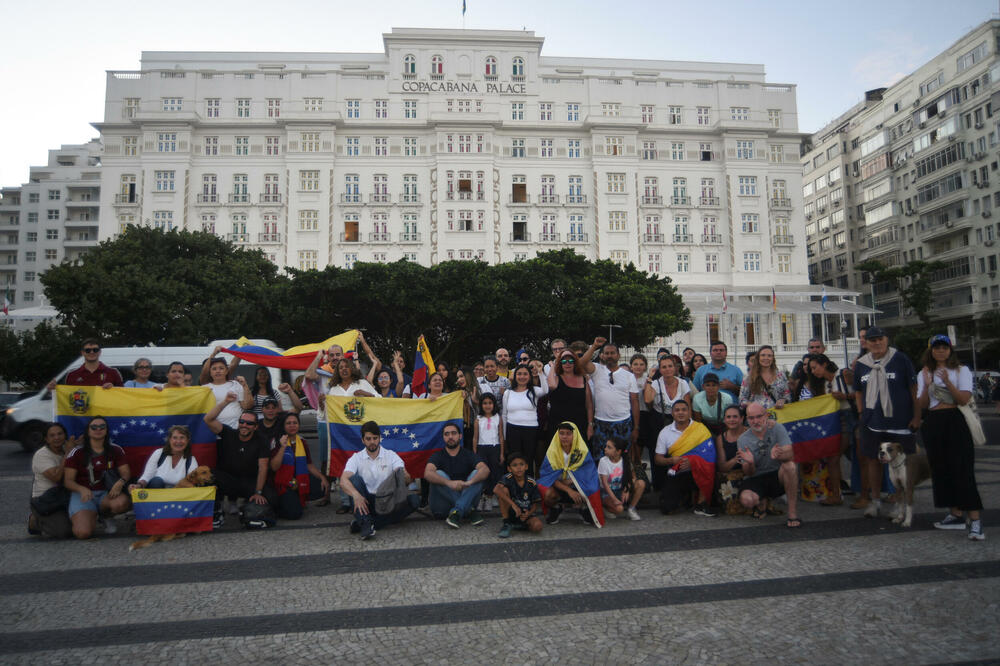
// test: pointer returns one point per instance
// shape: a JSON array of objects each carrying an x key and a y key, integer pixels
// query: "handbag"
[
  {"x": 971, "y": 415},
  {"x": 256, "y": 516},
  {"x": 54, "y": 499}
]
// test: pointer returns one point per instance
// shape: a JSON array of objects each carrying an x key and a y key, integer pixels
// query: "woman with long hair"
[
  {"x": 696, "y": 362},
  {"x": 96, "y": 473},
  {"x": 435, "y": 388},
  {"x": 662, "y": 392},
  {"x": 569, "y": 394},
  {"x": 519, "y": 409},
  {"x": 942, "y": 385},
  {"x": 291, "y": 466},
  {"x": 168, "y": 466},
  {"x": 764, "y": 383},
  {"x": 347, "y": 381},
  {"x": 467, "y": 384},
  {"x": 839, "y": 384},
  {"x": 262, "y": 390},
  {"x": 48, "y": 468}
]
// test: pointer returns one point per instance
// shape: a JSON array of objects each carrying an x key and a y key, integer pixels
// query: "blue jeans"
[
  {"x": 382, "y": 519},
  {"x": 157, "y": 483},
  {"x": 444, "y": 499}
]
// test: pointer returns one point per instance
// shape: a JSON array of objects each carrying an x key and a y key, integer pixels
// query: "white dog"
[{"x": 906, "y": 472}]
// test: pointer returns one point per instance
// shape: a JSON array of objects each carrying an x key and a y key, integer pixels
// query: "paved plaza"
[{"x": 677, "y": 589}]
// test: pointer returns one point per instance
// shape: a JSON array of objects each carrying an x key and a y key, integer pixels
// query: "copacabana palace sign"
[{"x": 470, "y": 87}]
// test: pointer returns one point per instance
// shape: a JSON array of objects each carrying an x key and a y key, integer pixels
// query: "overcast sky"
[{"x": 54, "y": 54}]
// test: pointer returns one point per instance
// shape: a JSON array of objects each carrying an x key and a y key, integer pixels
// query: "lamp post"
[
  {"x": 843, "y": 339},
  {"x": 611, "y": 327}
]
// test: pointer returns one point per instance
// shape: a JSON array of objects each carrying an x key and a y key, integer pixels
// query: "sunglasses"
[
  {"x": 98, "y": 426},
  {"x": 568, "y": 360},
  {"x": 91, "y": 350},
  {"x": 247, "y": 423},
  {"x": 611, "y": 376}
]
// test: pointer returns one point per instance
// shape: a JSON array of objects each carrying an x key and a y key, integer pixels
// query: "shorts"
[
  {"x": 617, "y": 492},
  {"x": 519, "y": 524},
  {"x": 76, "y": 504},
  {"x": 564, "y": 497},
  {"x": 870, "y": 440},
  {"x": 766, "y": 485}
]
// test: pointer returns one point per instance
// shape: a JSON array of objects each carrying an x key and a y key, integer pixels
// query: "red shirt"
[
  {"x": 99, "y": 462},
  {"x": 99, "y": 377}
]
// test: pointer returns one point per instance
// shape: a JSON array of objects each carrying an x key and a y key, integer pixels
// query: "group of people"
[{"x": 517, "y": 416}]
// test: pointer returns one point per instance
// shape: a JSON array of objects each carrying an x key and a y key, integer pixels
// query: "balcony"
[
  {"x": 82, "y": 203},
  {"x": 238, "y": 198},
  {"x": 942, "y": 229},
  {"x": 779, "y": 202},
  {"x": 12, "y": 221},
  {"x": 783, "y": 239},
  {"x": 238, "y": 238},
  {"x": 576, "y": 238},
  {"x": 463, "y": 195},
  {"x": 353, "y": 237},
  {"x": 270, "y": 198},
  {"x": 409, "y": 237},
  {"x": 127, "y": 200},
  {"x": 520, "y": 237},
  {"x": 548, "y": 238},
  {"x": 548, "y": 199},
  {"x": 269, "y": 238},
  {"x": 711, "y": 239},
  {"x": 652, "y": 200},
  {"x": 683, "y": 238},
  {"x": 652, "y": 238},
  {"x": 519, "y": 200},
  {"x": 409, "y": 199},
  {"x": 350, "y": 199},
  {"x": 576, "y": 200},
  {"x": 680, "y": 201},
  {"x": 80, "y": 243},
  {"x": 203, "y": 199},
  {"x": 381, "y": 198},
  {"x": 379, "y": 237}
]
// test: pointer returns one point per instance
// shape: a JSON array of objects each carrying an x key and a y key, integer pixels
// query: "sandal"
[
  {"x": 831, "y": 501},
  {"x": 343, "y": 509},
  {"x": 793, "y": 523},
  {"x": 773, "y": 510},
  {"x": 759, "y": 513}
]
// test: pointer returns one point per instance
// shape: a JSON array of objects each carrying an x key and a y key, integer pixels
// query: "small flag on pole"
[
  {"x": 463, "y": 8},
  {"x": 774, "y": 300},
  {"x": 725, "y": 303},
  {"x": 823, "y": 300},
  {"x": 6, "y": 301}
]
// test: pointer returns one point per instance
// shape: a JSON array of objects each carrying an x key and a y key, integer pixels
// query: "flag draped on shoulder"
[
  {"x": 698, "y": 446},
  {"x": 813, "y": 425},
  {"x": 296, "y": 358},
  {"x": 579, "y": 471},
  {"x": 173, "y": 510},
  {"x": 423, "y": 366},
  {"x": 411, "y": 428},
  {"x": 138, "y": 419}
]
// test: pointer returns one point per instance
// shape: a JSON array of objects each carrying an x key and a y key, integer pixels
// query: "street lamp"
[
  {"x": 843, "y": 339},
  {"x": 611, "y": 336}
]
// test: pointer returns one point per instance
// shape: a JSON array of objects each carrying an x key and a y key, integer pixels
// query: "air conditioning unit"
[
  {"x": 988, "y": 242},
  {"x": 854, "y": 174},
  {"x": 951, "y": 138},
  {"x": 979, "y": 126},
  {"x": 993, "y": 274},
  {"x": 916, "y": 103},
  {"x": 941, "y": 114},
  {"x": 986, "y": 213},
  {"x": 922, "y": 125},
  {"x": 949, "y": 224}
]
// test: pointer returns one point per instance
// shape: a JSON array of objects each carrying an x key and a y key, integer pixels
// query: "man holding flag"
[
  {"x": 569, "y": 476},
  {"x": 687, "y": 448},
  {"x": 766, "y": 454}
]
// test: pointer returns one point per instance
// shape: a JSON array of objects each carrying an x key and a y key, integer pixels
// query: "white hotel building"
[{"x": 469, "y": 144}]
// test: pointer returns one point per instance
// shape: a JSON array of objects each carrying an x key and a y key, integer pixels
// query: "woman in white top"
[
  {"x": 347, "y": 381},
  {"x": 168, "y": 466},
  {"x": 520, "y": 414},
  {"x": 942, "y": 385},
  {"x": 435, "y": 388},
  {"x": 661, "y": 393},
  {"x": 222, "y": 386}
]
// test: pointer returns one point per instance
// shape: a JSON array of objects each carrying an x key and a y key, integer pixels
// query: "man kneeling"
[
  {"x": 456, "y": 476},
  {"x": 519, "y": 498},
  {"x": 769, "y": 470}
]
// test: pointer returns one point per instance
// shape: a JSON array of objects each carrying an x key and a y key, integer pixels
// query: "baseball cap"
[
  {"x": 939, "y": 339},
  {"x": 268, "y": 401},
  {"x": 710, "y": 377},
  {"x": 874, "y": 332}
]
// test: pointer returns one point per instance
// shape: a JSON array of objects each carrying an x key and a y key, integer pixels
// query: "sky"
[{"x": 54, "y": 54}]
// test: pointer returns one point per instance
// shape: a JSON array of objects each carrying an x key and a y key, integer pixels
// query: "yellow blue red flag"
[
  {"x": 813, "y": 425},
  {"x": 296, "y": 358},
  {"x": 423, "y": 366},
  {"x": 173, "y": 510},
  {"x": 697, "y": 445}
]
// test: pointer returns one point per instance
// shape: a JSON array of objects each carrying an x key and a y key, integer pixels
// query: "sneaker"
[
  {"x": 368, "y": 531},
  {"x": 494, "y": 502},
  {"x": 218, "y": 520},
  {"x": 873, "y": 508},
  {"x": 354, "y": 527},
  {"x": 585, "y": 515},
  {"x": 976, "y": 531},
  {"x": 452, "y": 519},
  {"x": 256, "y": 524},
  {"x": 33, "y": 528},
  {"x": 951, "y": 522},
  {"x": 108, "y": 524},
  {"x": 475, "y": 518},
  {"x": 632, "y": 513},
  {"x": 505, "y": 530},
  {"x": 553, "y": 516},
  {"x": 704, "y": 510}
]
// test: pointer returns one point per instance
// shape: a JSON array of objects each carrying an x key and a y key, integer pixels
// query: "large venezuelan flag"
[
  {"x": 173, "y": 510},
  {"x": 697, "y": 445},
  {"x": 411, "y": 428},
  {"x": 138, "y": 419},
  {"x": 296, "y": 358},
  {"x": 813, "y": 425},
  {"x": 580, "y": 468}
]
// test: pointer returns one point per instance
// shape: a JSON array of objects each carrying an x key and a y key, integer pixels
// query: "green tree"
[
  {"x": 35, "y": 356},
  {"x": 177, "y": 287},
  {"x": 913, "y": 280}
]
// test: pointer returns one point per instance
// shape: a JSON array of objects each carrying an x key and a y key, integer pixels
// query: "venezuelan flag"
[
  {"x": 423, "y": 367},
  {"x": 411, "y": 428},
  {"x": 697, "y": 445},
  {"x": 580, "y": 471},
  {"x": 173, "y": 510},
  {"x": 813, "y": 425},
  {"x": 138, "y": 419},
  {"x": 296, "y": 358}
]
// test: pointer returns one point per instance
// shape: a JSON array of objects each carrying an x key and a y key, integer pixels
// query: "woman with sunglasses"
[
  {"x": 569, "y": 394},
  {"x": 88, "y": 473},
  {"x": 142, "y": 368}
]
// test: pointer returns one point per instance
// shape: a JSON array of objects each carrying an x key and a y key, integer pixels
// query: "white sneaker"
[
  {"x": 632, "y": 513},
  {"x": 108, "y": 524},
  {"x": 495, "y": 502},
  {"x": 976, "y": 531},
  {"x": 872, "y": 510}
]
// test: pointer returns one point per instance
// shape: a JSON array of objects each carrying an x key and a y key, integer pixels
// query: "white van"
[{"x": 25, "y": 420}]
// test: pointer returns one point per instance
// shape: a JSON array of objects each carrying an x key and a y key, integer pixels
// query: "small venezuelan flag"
[
  {"x": 296, "y": 358},
  {"x": 813, "y": 425},
  {"x": 173, "y": 510}
]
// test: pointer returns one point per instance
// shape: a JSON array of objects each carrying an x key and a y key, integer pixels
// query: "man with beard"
[{"x": 456, "y": 475}]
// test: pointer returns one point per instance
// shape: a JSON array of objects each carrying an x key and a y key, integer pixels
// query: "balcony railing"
[
  {"x": 524, "y": 200},
  {"x": 783, "y": 239},
  {"x": 711, "y": 239},
  {"x": 520, "y": 237},
  {"x": 548, "y": 199},
  {"x": 779, "y": 202},
  {"x": 652, "y": 200},
  {"x": 378, "y": 237},
  {"x": 270, "y": 198},
  {"x": 126, "y": 200},
  {"x": 683, "y": 238},
  {"x": 708, "y": 201},
  {"x": 576, "y": 238},
  {"x": 680, "y": 201},
  {"x": 238, "y": 198},
  {"x": 409, "y": 237},
  {"x": 406, "y": 198},
  {"x": 652, "y": 238},
  {"x": 549, "y": 238},
  {"x": 381, "y": 198},
  {"x": 350, "y": 198},
  {"x": 208, "y": 198},
  {"x": 238, "y": 238},
  {"x": 350, "y": 238},
  {"x": 576, "y": 200},
  {"x": 269, "y": 238}
]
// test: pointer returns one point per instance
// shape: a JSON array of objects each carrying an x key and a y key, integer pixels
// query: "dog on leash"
[
  {"x": 906, "y": 471},
  {"x": 199, "y": 476}
]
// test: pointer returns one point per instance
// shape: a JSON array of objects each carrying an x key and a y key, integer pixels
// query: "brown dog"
[
  {"x": 200, "y": 476},
  {"x": 906, "y": 471}
]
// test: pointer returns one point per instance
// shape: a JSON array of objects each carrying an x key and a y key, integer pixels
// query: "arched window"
[
  {"x": 491, "y": 66},
  {"x": 518, "y": 69},
  {"x": 437, "y": 65},
  {"x": 410, "y": 64}
]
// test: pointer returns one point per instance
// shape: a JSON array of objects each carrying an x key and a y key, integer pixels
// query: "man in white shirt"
[
  {"x": 677, "y": 489},
  {"x": 616, "y": 398},
  {"x": 364, "y": 472}
]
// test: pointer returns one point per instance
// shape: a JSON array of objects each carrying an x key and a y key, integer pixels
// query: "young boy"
[{"x": 519, "y": 498}]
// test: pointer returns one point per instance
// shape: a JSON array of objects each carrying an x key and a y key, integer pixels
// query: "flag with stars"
[
  {"x": 173, "y": 510},
  {"x": 813, "y": 425},
  {"x": 411, "y": 428},
  {"x": 138, "y": 419}
]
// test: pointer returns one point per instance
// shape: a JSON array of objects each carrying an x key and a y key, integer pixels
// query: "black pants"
[
  {"x": 288, "y": 506},
  {"x": 952, "y": 458},
  {"x": 491, "y": 456},
  {"x": 524, "y": 440},
  {"x": 232, "y": 486},
  {"x": 676, "y": 491}
]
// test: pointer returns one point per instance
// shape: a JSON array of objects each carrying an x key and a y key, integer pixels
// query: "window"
[
  {"x": 410, "y": 188},
  {"x": 33, "y": 197},
  {"x": 29, "y": 276},
  {"x": 130, "y": 145},
  {"x": 776, "y": 154},
  {"x": 744, "y": 150},
  {"x": 779, "y": 190},
  {"x": 437, "y": 65},
  {"x": 617, "y": 220},
  {"x": 164, "y": 181},
  {"x": 166, "y": 142},
  {"x": 271, "y": 191},
  {"x": 409, "y": 64},
  {"x": 53, "y": 213},
  {"x": 240, "y": 194},
  {"x": 683, "y": 262},
  {"x": 545, "y": 111},
  {"x": 654, "y": 263},
  {"x": 380, "y": 184},
  {"x": 410, "y": 109},
  {"x": 971, "y": 58},
  {"x": 784, "y": 263},
  {"x": 353, "y": 146},
  {"x": 575, "y": 189},
  {"x": 611, "y": 109},
  {"x": 354, "y": 108},
  {"x": 32, "y": 236},
  {"x": 54, "y": 195},
  {"x": 212, "y": 106},
  {"x": 675, "y": 115},
  {"x": 309, "y": 181},
  {"x": 172, "y": 103},
  {"x": 704, "y": 115},
  {"x": 747, "y": 186},
  {"x": 517, "y": 68},
  {"x": 750, "y": 223},
  {"x": 381, "y": 109},
  {"x": 32, "y": 218},
  {"x": 739, "y": 113},
  {"x": 614, "y": 145},
  {"x": 647, "y": 113},
  {"x": 272, "y": 145},
  {"x": 680, "y": 195},
  {"x": 491, "y": 66},
  {"x": 308, "y": 220},
  {"x": 410, "y": 146},
  {"x": 546, "y": 147},
  {"x": 163, "y": 219},
  {"x": 51, "y": 255},
  {"x": 620, "y": 257},
  {"x": 381, "y": 146},
  {"x": 649, "y": 150},
  {"x": 51, "y": 234},
  {"x": 242, "y": 146},
  {"x": 242, "y": 108},
  {"x": 130, "y": 108},
  {"x": 273, "y": 108},
  {"x": 307, "y": 260},
  {"x": 573, "y": 112},
  {"x": 676, "y": 150},
  {"x": 751, "y": 262},
  {"x": 517, "y": 110},
  {"x": 774, "y": 117},
  {"x": 711, "y": 263},
  {"x": 517, "y": 147},
  {"x": 315, "y": 105},
  {"x": 352, "y": 192},
  {"x": 573, "y": 148},
  {"x": 616, "y": 183}
]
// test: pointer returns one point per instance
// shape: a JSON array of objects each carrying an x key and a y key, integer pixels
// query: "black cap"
[
  {"x": 874, "y": 332},
  {"x": 710, "y": 377},
  {"x": 268, "y": 401}
]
